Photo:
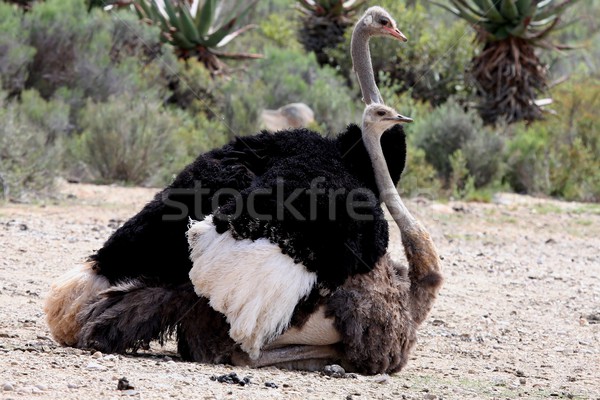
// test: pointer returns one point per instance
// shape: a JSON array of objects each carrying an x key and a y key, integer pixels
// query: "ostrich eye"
[
  {"x": 384, "y": 21},
  {"x": 381, "y": 113}
]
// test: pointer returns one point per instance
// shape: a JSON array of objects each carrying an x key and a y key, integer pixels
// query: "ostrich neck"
[
  {"x": 361, "y": 61},
  {"x": 387, "y": 189}
]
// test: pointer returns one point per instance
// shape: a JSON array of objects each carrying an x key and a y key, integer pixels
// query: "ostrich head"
[
  {"x": 378, "y": 22},
  {"x": 375, "y": 22},
  {"x": 378, "y": 118}
]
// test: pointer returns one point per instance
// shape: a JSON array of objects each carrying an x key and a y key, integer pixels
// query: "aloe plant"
[
  {"x": 508, "y": 73},
  {"x": 197, "y": 33},
  {"x": 324, "y": 23},
  {"x": 109, "y": 4}
]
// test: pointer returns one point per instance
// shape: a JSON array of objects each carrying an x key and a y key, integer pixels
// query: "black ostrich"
[{"x": 137, "y": 287}]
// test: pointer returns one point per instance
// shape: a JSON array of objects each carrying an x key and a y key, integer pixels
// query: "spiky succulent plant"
[
  {"x": 196, "y": 31},
  {"x": 108, "y": 4},
  {"x": 324, "y": 23},
  {"x": 508, "y": 73}
]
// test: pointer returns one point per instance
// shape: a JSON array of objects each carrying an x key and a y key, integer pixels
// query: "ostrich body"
[{"x": 136, "y": 288}]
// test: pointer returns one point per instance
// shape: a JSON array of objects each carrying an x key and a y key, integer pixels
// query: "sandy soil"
[{"x": 518, "y": 316}]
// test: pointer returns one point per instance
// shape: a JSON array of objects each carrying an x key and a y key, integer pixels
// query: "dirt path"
[{"x": 518, "y": 316}]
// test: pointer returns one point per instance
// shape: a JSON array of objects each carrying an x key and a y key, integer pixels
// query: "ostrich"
[
  {"x": 138, "y": 271},
  {"x": 373, "y": 316}
]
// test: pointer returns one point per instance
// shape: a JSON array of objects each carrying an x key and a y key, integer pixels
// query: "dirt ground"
[{"x": 518, "y": 316}]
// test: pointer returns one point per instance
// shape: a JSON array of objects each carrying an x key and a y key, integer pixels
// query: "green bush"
[
  {"x": 80, "y": 55},
  {"x": 126, "y": 139},
  {"x": 15, "y": 54},
  {"x": 192, "y": 137},
  {"x": 449, "y": 128},
  {"x": 419, "y": 178},
  {"x": 559, "y": 156},
  {"x": 29, "y": 157}
]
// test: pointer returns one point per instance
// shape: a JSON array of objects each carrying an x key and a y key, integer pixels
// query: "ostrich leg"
[{"x": 301, "y": 357}]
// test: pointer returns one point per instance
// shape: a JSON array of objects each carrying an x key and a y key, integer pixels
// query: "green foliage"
[
  {"x": 280, "y": 30},
  {"x": 192, "y": 137},
  {"x": 29, "y": 157},
  {"x": 431, "y": 65},
  {"x": 15, "y": 53},
  {"x": 125, "y": 139},
  {"x": 448, "y": 129},
  {"x": 92, "y": 53},
  {"x": 419, "y": 177},
  {"x": 559, "y": 156}
]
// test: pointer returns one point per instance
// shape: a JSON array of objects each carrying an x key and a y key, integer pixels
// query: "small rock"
[
  {"x": 334, "y": 370},
  {"x": 593, "y": 318},
  {"x": 382, "y": 379},
  {"x": 430, "y": 396},
  {"x": 95, "y": 367},
  {"x": 123, "y": 384},
  {"x": 41, "y": 387},
  {"x": 271, "y": 385},
  {"x": 231, "y": 378},
  {"x": 72, "y": 386},
  {"x": 7, "y": 387},
  {"x": 130, "y": 392},
  {"x": 522, "y": 381},
  {"x": 97, "y": 355}
]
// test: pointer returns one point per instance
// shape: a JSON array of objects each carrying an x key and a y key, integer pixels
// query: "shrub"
[
  {"x": 449, "y": 128},
  {"x": 29, "y": 159},
  {"x": 15, "y": 54},
  {"x": 126, "y": 139},
  {"x": 419, "y": 177},
  {"x": 559, "y": 156},
  {"x": 192, "y": 137},
  {"x": 80, "y": 55}
]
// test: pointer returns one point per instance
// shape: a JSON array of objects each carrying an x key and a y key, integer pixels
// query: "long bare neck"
[
  {"x": 387, "y": 189},
  {"x": 361, "y": 61}
]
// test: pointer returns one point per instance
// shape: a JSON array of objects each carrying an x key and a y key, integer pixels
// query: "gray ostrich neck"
[
  {"x": 387, "y": 190},
  {"x": 361, "y": 61}
]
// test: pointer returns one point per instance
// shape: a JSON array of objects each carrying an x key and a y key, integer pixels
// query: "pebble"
[
  {"x": 231, "y": 378},
  {"x": 129, "y": 392},
  {"x": 97, "y": 355},
  {"x": 334, "y": 370},
  {"x": 382, "y": 379},
  {"x": 124, "y": 385},
  {"x": 8, "y": 387},
  {"x": 95, "y": 367},
  {"x": 41, "y": 387},
  {"x": 72, "y": 386}
]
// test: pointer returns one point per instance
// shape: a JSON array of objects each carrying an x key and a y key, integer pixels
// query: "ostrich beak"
[
  {"x": 396, "y": 34},
  {"x": 400, "y": 118}
]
